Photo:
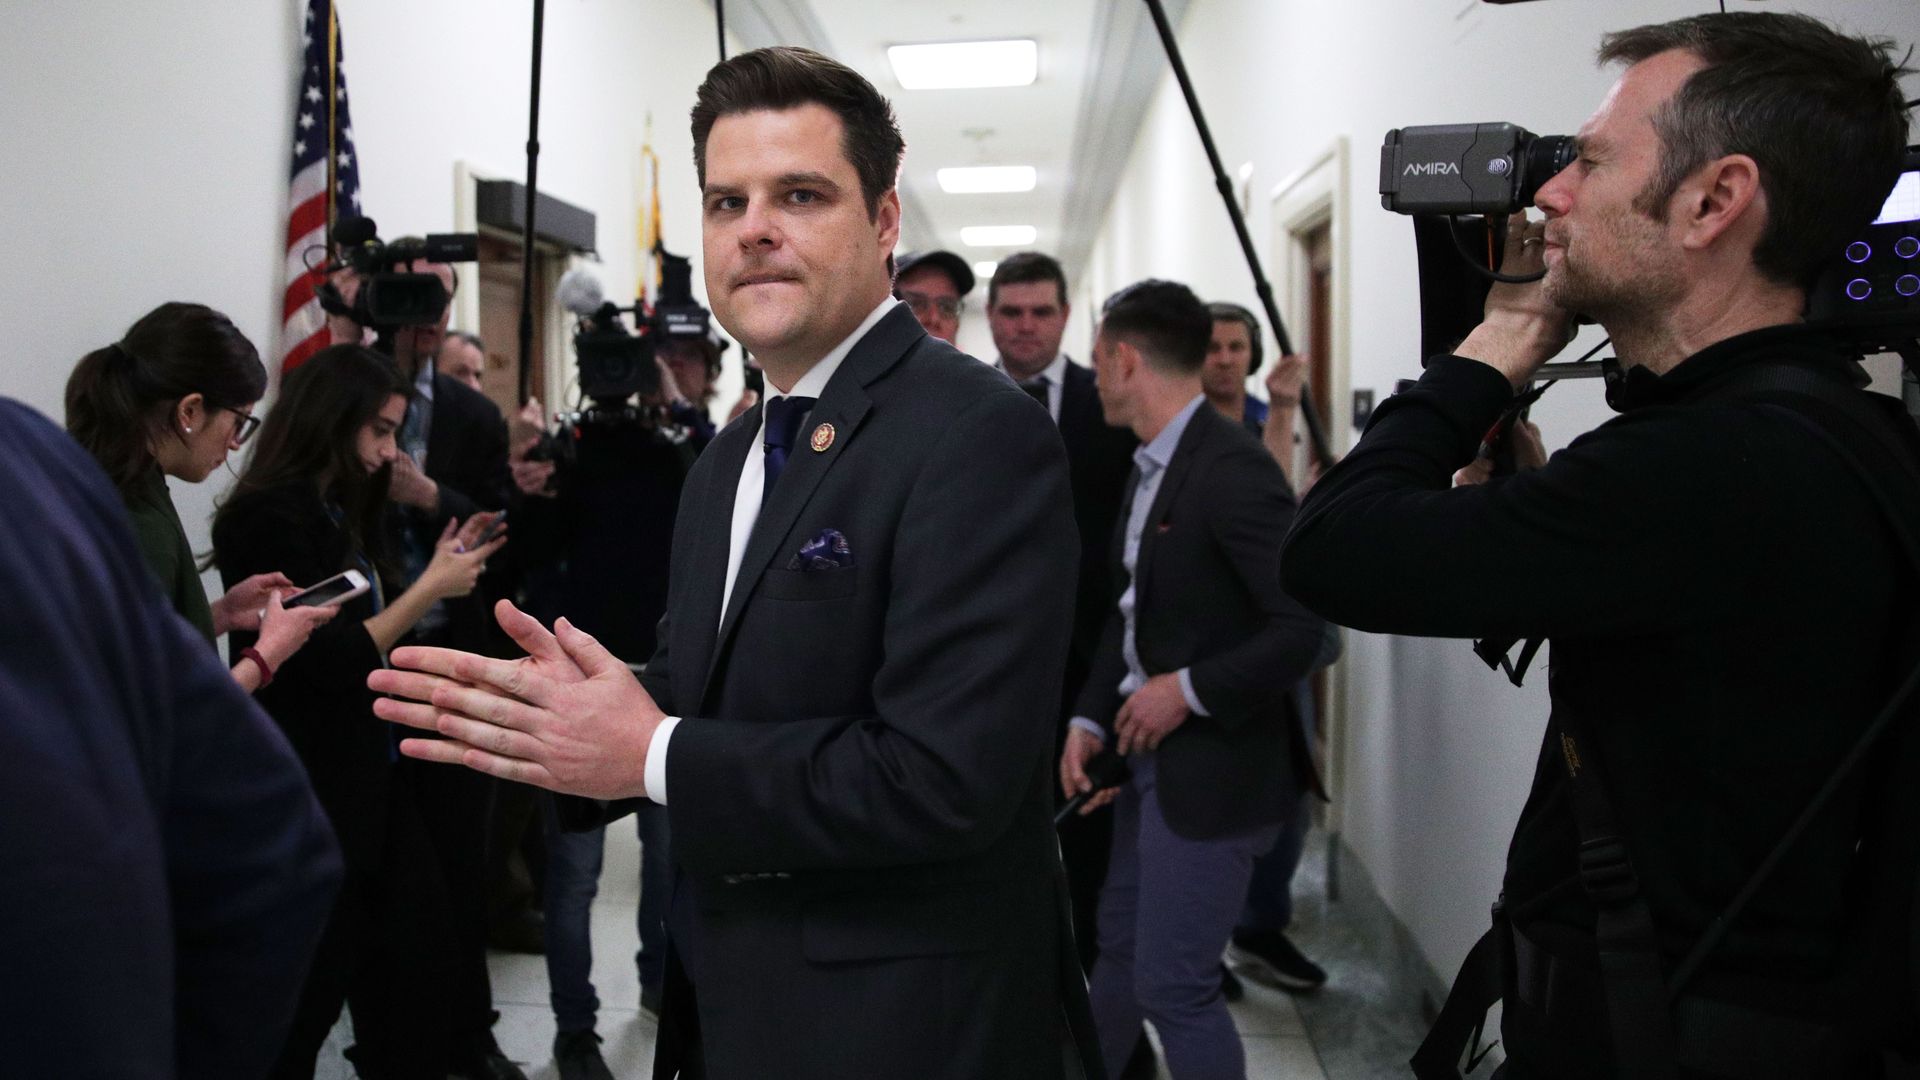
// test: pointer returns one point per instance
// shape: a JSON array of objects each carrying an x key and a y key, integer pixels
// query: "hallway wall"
[
  {"x": 1439, "y": 749},
  {"x": 147, "y": 150}
]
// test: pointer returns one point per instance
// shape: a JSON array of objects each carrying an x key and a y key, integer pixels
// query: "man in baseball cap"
[{"x": 933, "y": 283}]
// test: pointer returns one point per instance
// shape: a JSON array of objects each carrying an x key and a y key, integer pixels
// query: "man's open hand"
[{"x": 569, "y": 716}]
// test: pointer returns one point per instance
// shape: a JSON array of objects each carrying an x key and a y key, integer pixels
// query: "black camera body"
[
  {"x": 389, "y": 296},
  {"x": 617, "y": 363},
  {"x": 1868, "y": 295},
  {"x": 1468, "y": 168}
]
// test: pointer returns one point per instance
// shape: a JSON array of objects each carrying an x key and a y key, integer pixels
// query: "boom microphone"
[{"x": 579, "y": 292}]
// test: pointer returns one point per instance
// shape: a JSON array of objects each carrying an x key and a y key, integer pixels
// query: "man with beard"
[{"x": 1724, "y": 593}]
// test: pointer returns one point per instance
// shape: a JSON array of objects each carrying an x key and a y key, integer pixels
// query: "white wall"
[
  {"x": 147, "y": 149},
  {"x": 1440, "y": 748}
]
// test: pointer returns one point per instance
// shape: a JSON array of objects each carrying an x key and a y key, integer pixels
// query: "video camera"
[
  {"x": 1869, "y": 294},
  {"x": 615, "y": 362},
  {"x": 389, "y": 296}
]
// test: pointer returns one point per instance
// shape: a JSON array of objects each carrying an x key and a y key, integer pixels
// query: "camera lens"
[{"x": 1546, "y": 156}]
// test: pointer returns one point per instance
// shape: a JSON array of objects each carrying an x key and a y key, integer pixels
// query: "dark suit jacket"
[
  {"x": 1099, "y": 461},
  {"x": 166, "y": 870},
  {"x": 1209, "y": 599},
  {"x": 467, "y": 457},
  {"x": 860, "y": 797}
]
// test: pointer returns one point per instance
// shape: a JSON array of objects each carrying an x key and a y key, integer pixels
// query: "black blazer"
[
  {"x": 1099, "y": 461},
  {"x": 467, "y": 458},
  {"x": 319, "y": 697},
  {"x": 1209, "y": 599},
  {"x": 860, "y": 797}
]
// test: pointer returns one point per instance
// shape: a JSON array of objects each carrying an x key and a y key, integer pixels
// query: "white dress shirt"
[
  {"x": 1150, "y": 464},
  {"x": 746, "y": 509},
  {"x": 1055, "y": 374}
]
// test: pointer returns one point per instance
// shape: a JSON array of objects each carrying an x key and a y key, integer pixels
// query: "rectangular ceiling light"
[
  {"x": 998, "y": 235},
  {"x": 965, "y": 65},
  {"x": 988, "y": 179},
  {"x": 984, "y": 269}
]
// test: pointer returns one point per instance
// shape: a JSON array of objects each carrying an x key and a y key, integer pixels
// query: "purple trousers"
[{"x": 1166, "y": 912}]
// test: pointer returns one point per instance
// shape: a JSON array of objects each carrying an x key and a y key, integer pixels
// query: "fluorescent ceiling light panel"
[
  {"x": 965, "y": 65},
  {"x": 998, "y": 235},
  {"x": 985, "y": 268},
  {"x": 988, "y": 179}
]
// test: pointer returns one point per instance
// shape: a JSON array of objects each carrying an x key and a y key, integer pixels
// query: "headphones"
[{"x": 1225, "y": 312}]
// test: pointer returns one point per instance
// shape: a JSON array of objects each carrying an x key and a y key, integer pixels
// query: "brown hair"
[
  {"x": 1025, "y": 268},
  {"x": 1819, "y": 111},
  {"x": 120, "y": 397},
  {"x": 786, "y": 77}
]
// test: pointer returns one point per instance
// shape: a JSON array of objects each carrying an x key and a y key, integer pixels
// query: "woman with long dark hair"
[
  {"x": 172, "y": 398},
  {"x": 313, "y": 499}
]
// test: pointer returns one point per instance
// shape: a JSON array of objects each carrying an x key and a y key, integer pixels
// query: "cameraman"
[
  {"x": 1720, "y": 586},
  {"x": 599, "y": 543}
]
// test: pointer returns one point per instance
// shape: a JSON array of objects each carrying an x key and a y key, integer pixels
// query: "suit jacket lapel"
[
  {"x": 707, "y": 567},
  {"x": 843, "y": 404}
]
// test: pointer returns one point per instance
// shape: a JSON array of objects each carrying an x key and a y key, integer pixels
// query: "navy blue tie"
[{"x": 784, "y": 417}]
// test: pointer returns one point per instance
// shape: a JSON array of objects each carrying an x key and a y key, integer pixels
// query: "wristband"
[{"x": 266, "y": 669}]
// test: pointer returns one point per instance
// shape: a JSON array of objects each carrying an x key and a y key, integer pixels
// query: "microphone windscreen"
[{"x": 579, "y": 292}]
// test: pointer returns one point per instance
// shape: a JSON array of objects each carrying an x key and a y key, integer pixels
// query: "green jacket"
[{"x": 156, "y": 525}]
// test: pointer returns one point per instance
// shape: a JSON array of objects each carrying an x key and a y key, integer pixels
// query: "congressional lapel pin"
[{"x": 822, "y": 438}]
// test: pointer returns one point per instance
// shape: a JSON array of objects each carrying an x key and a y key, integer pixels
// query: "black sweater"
[{"x": 1722, "y": 597}]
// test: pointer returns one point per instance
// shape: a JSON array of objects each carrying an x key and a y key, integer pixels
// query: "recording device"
[
  {"x": 1106, "y": 769},
  {"x": 389, "y": 296},
  {"x": 494, "y": 528},
  {"x": 1459, "y": 181},
  {"x": 1468, "y": 168},
  {"x": 337, "y": 589},
  {"x": 617, "y": 362}
]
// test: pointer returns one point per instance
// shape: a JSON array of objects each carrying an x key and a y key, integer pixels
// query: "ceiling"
[{"x": 1099, "y": 65}]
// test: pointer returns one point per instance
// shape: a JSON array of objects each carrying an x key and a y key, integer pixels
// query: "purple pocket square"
[{"x": 828, "y": 551}]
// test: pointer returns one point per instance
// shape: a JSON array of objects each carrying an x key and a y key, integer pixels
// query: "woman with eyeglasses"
[{"x": 173, "y": 398}]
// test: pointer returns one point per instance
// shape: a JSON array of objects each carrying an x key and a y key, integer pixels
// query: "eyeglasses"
[
  {"x": 921, "y": 302},
  {"x": 249, "y": 424}
]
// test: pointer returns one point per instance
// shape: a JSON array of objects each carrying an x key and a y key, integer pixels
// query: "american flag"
[{"x": 323, "y": 161}]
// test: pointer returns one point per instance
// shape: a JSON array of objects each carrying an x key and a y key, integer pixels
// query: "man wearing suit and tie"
[
  {"x": 1192, "y": 682},
  {"x": 849, "y": 715},
  {"x": 1027, "y": 311}
]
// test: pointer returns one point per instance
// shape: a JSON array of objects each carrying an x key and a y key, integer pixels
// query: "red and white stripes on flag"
[{"x": 324, "y": 163}]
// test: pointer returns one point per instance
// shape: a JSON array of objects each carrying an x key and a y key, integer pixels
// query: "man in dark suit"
[
  {"x": 1191, "y": 681},
  {"x": 863, "y": 641},
  {"x": 1027, "y": 310}
]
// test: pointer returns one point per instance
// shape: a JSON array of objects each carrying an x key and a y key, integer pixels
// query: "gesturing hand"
[
  {"x": 1151, "y": 714},
  {"x": 569, "y": 716}
]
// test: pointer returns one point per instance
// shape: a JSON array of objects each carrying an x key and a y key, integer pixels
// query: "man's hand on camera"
[
  {"x": 1522, "y": 329},
  {"x": 569, "y": 716},
  {"x": 524, "y": 429},
  {"x": 1529, "y": 452},
  {"x": 1150, "y": 714},
  {"x": 532, "y": 478},
  {"x": 411, "y": 487}
]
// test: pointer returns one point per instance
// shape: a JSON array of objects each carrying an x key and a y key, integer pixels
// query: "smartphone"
[
  {"x": 337, "y": 589},
  {"x": 493, "y": 530}
]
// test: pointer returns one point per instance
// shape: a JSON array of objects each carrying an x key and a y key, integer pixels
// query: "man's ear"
[
  {"x": 1723, "y": 196},
  {"x": 887, "y": 219}
]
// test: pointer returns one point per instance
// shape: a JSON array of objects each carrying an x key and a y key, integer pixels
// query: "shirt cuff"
[
  {"x": 656, "y": 777},
  {"x": 1090, "y": 728},
  {"x": 1186, "y": 691}
]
